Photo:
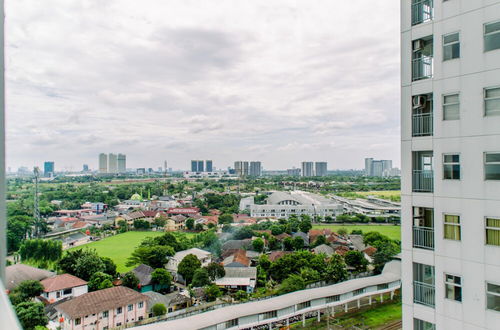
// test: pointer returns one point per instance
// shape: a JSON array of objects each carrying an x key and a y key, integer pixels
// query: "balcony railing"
[
  {"x": 423, "y": 294},
  {"x": 422, "y": 124},
  {"x": 421, "y": 11},
  {"x": 423, "y": 238},
  {"x": 422, "y": 68},
  {"x": 423, "y": 181}
]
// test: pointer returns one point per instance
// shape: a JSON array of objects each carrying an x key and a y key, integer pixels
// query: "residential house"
[
  {"x": 238, "y": 278},
  {"x": 15, "y": 274},
  {"x": 325, "y": 249},
  {"x": 172, "y": 301},
  {"x": 304, "y": 237},
  {"x": 103, "y": 309},
  {"x": 236, "y": 244},
  {"x": 205, "y": 258},
  {"x": 63, "y": 286},
  {"x": 238, "y": 259},
  {"x": 275, "y": 255},
  {"x": 143, "y": 273}
]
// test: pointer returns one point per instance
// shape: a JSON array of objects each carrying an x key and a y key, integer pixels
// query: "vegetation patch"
[{"x": 393, "y": 232}]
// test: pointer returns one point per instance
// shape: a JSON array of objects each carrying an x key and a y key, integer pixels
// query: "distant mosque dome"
[{"x": 136, "y": 197}]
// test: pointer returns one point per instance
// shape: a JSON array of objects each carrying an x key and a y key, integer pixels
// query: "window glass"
[
  {"x": 493, "y": 231},
  {"x": 453, "y": 287},
  {"x": 492, "y": 166},
  {"x": 451, "y": 46},
  {"x": 493, "y": 296},
  {"x": 452, "y": 227},
  {"x": 451, "y": 167},
  {"x": 451, "y": 107},
  {"x": 491, "y": 36}
]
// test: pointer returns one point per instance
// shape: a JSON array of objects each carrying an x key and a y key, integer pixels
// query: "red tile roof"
[
  {"x": 79, "y": 224},
  {"x": 183, "y": 210},
  {"x": 370, "y": 251},
  {"x": 61, "y": 282},
  {"x": 275, "y": 255},
  {"x": 241, "y": 257}
]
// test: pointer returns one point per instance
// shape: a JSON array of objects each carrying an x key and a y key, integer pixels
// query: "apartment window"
[
  {"x": 358, "y": 292},
  {"x": 491, "y": 36},
  {"x": 452, "y": 227},
  {"x": 58, "y": 294},
  {"x": 118, "y": 324},
  {"x": 451, "y": 46},
  {"x": 451, "y": 106},
  {"x": 492, "y": 101},
  {"x": 492, "y": 166},
  {"x": 105, "y": 328},
  {"x": 422, "y": 325},
  {"x": 493, "y": 296},
  {"x": 78, "y": 321},
  {"x": 130, "y": 307},
  {"x": 141, "y": 304},
  {"x": 493, "y": 231},
  {"x": 332, "y": 299},
  {"x": 269, "y": 315},
  {"x": 105, "y": 314},
  {"x": 232, "y": 323},
  {"x": 119, "y": 310},
  {"x": 382, "y": 286},
  {"x": 451, "y": 167},
  {"x": 67, "y": 291},
  {"x": 453, "y": 287},
  {"x": 303, "y": 305}
]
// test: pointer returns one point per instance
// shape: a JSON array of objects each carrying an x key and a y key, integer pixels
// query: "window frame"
[
  {"x": 491, "y": 293},
  {"x": 444, "y": 104},
  {"x": 130, "y": 307},
  {"x": 447, "y": 283},
  {"x": 486, "y": 228},
  {"x": 105, "y": 314},
  {"x": 485, "y": 99},
  {"x": 450, "y": 44},
  {"x": 490, "y": 163},
  {"x": 452, "y": 164},
  {"x": 459, "y": 225},
  {"x": 490, "y": 33}
]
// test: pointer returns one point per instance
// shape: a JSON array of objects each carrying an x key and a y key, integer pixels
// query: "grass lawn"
[
  {"x": 391, "y": 231},
  {"x": 394, "y": 195},
  {"x": 119, "y": 247}
]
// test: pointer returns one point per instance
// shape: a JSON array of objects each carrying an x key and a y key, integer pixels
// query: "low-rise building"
[
  {"x": 15, "y": 274},
  {"x": 205, "y": 258},
  {"x": 62, "y": 286},
  {"x": 102, "y": 309},
  {"x": 238, "y": 278}
]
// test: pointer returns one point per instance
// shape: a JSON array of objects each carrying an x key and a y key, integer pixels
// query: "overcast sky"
[{"x": 279, "y": 81}]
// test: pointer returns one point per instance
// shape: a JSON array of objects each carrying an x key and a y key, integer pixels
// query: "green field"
[
  {"x": 391, "y": 231},
  {"x": 119, "y": 247}
]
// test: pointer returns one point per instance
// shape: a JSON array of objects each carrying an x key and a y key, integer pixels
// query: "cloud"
[{"x": 281, "y": 82}]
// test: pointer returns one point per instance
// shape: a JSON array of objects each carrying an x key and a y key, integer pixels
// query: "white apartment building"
[
  {"x": 122, "y": 163},
  {"x": 103, "y": 163},
  {"x": 450, "y": 126},
  {"x": 307, "y": 169},
  {"x": 112, "y": 163}
]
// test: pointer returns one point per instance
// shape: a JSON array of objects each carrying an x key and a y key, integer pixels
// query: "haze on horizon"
[{"x": 280, "y": 82}]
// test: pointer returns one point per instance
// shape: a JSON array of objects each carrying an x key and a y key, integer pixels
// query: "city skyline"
[{"x": 280, "y": 97}]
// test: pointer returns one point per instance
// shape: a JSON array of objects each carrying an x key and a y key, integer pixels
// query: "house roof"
[
  {"x": 240, "y": 257},
  {"x": 370, "y": 251},
  {"x": 236, "y": 244},
  {"x": 323, "y": 248},
  {"x": 100, "y": 300},
  {"x": 302, "y": 235},
  {"x": 143, "y": 273},
  {"x": 342, "y": 250},
  {"x": 61, "y": 282},
  {"x": 282, "y": 236},
  {"x": 250, "y": 272},
  {"x": 79, "y": 224},
  {"x": 199, "y": 253},
  {"x": 17, "y": 273},
  {"x": 275, "y": 255}
]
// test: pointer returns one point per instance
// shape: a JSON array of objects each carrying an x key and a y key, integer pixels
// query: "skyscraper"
[
  {"x": 255, "y": 169},
  {"x": 103, "y": 163},
  {"x": 378, "y": 167},
  {"x": 48, "y": 169},
  {"x": 368, "y": 166},
  {"x": 112, "y": 163},
  {"x": 321, "y": 168},
  {"x": 196, "y": 166},
  {"x": 450, "y": 148},
  {"x": 85, "y": 168},
  {"x": 209, "y": 166},
  {"x": 122, "y": 163},
  {"x": 241, "y": 168},
  {"x": 307, "y": 169}
]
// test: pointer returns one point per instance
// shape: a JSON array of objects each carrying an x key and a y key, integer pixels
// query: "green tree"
[
  {"x": 160, "y": 221},
  {"x": 31, "y": 314},
  {"x": 215, "y": 271},
  {"x": 161, "y": 277},
  {"x": 212, "y": 292},
  {"x": 297, "y": 243},
  {"x": 141, "y": 224},
  {"x": 190, "y": 223},
  {"x": 264, "y": 262},
  {"x": 292, "y": 283},
  {"x": 130, "y": 280},
  {"x": 109, "y": 266},
  {"x": 188, "y": 266},
  {"x": 342, "y": 231},
  {"x": 82, "y": 263},
  {"x": 277, "y": 229},
  {"x": 18, "y": 227},
  {"x": 356, "y": 259},
  {"x": 159, "y": 309},
  {"x": 200, "y": 278},
  {"x": 27, "y": 290},
  {"x": 241, "y": 295},
  {"x": 198, "y": 227},
  {"x": 384, "y": 254},
  {"x": 155, "y": 256},
  {"x": 274, "y": 244},
  {"x": 40, "y": 250},
  {"x": 305, "y": 225},
  {"x": 288, "y": 244},
  {"x": 336, "y": 269},
  {"x": 243, "y": 232},
  {"x": 310, "y": 275},
  {"x": 258, "y": 245},
  {"x": 99, "y": 281},
  {"x": 225, "y": 218}
]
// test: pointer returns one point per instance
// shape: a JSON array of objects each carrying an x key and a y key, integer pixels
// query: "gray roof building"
[{"x": 17, "y": 273}]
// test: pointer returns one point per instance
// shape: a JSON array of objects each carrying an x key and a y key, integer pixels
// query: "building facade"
[
  {"x": 241, "y": 168},
  {"x": 307, "y": 169},
  {"x": 321, "y": 168},
  {"x": 255, "y": 169},
  {"x": 378, "y": 167},
  {"x": 112, "y": 163},
  {"x": 103, "y": 163},
  {"x": 450, "y": 194},
  {"x": 122, "y": 163},
  {"x": 293, "y": 172},
  {"x": 209, "y": 167},
  {"x": 197, "y": 166},
  {"x": 48, "y": 169}
]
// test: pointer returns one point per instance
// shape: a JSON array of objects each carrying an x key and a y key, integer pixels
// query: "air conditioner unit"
[
  {"x": 419, "y": 101},
  {"x": 418, "y": 44}
]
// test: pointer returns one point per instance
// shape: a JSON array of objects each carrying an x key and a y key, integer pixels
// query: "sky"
[{"x": 281, "y": 81}]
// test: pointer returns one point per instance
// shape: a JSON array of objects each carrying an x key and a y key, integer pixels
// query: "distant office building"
[
  {"x": 255, "y": 169},
  {"x": 48, "y": 169},
  {"x": 122, "y": 163},
  {"x": 378, "y": 167},
  {"x": 112, "y": 163},
  {"x": 241, "y": 168},
  {"x": 141, "y": 171},
  {"x": 307, "y": 169},
  {"x": 321, "y": 168},
  {"x": 103, "y": 163},
  {"x": 209, "y": 166},
  {"x": 293, "y": 172},
  {"x": 197, "y": 166},
  {"x": 85, "y": 168}
]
